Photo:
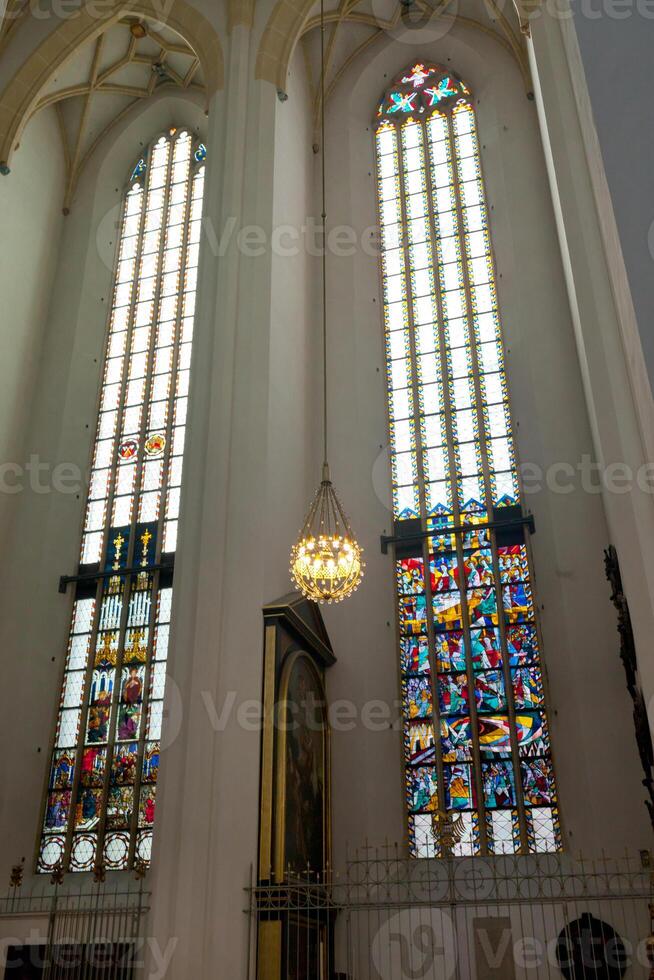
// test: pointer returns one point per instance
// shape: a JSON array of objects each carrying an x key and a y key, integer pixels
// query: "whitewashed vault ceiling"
[{"x": 130, "y": 61}]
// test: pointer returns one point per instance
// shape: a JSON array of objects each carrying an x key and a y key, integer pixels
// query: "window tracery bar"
[
  {"x": 101, "y": 791},
  {"x": 477, "y": 751}
]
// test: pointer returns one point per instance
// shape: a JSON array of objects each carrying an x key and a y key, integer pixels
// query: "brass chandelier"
[{"x": 326, "y": 561}]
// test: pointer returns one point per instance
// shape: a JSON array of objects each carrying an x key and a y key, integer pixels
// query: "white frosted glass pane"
[
  {"x": 468, "y": 458},
  {"x": 413, "y": 158},
  {"x": 402, "y": 437},
  {"x": 447, "y": 225},
  {"x": 422, "y": 282},
  {"x": 149, "y": 506},
  {"x": 499, "y": 449},
  {"x": 125, "y": 477},
  {"x": 399, "y": 374},
  {"x": 444, "y": 199},
  {"x": 393, "y": 289},
  {"x": 95, "y": 515},
  {"x": 170, "y": 536},
  {"x": 480, "y": 271},
  {"x": 461, "y": 393},
  {"x": 122, "y": 511},
  {"x": 433, "y": 430},
  {"x": 403, "y": 466},
  {"x": 388, "y": 189},
  {"x": 424, "y": 310},
  {"x": 400, "y": 404},
  {"x": 432, "y": 400},
  {"x": 420, "y": 256},
  {"x": 454, "y": 304},
  {"x": 91, "y": 548},
  {"x": 387, "y": 165},
  {"x": 73, "y": 684},
  {"x": 457, "y": 332},
  {"x": 467, "y": 169},
  {"x": 414, "y": 182},
  {"x": 459, "y": 361},
  {"x": 429, "y": 368},
  {"x": 395, "y": 316},
  {"x": 411, "y": 135},
  {"x": 436, "y": 464},
  {"x": 484, "y": 298},
  {"x": 154, "y": 720},
  {"x": 489, "y": 357},
  {"x": 465, "y": 146},
  {"x": 441, "y": 175},
  {"x": 493, "y": 388},
  {"x": 450, "y": 275},
  {"x": 426, "y": 335},
  {"x": 386, "y": 141},
  {"x": 393, "y": 262},
  {"x": 471, "y": 194},
  {"x": 172, "y": 509},
  {"x": 67, "y": 729},
  {"x": 463, "y": 425},
  {"x": 99, "y": 483},
  {"x": 397, "y": 345}
]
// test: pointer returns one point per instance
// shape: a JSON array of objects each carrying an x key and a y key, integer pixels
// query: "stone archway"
[{"x": 18, "y": 100}]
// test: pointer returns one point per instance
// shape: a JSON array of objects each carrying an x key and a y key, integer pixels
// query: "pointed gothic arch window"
[
  {"x": 479, "y": 776},
  {"x": 101, "y": 793}
]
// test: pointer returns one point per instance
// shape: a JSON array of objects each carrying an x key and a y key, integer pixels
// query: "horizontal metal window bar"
[
  {"x": 65, "y": 580},
  {"x": 386, "y": 539}
]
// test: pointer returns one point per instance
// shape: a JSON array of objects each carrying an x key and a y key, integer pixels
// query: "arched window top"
[{"x": 422, "y": 90}]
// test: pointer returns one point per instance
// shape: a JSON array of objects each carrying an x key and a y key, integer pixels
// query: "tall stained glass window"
[
  {"x": 479, "y": 777},
  {"x": 101, "y": 795}
]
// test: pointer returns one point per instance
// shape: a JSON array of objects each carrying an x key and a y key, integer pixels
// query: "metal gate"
[{"x": 387, "y": 917}]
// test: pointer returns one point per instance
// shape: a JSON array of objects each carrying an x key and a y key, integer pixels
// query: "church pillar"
[
  {"x": 616, "y": 388},
  {"x": 207, "y": 817}
]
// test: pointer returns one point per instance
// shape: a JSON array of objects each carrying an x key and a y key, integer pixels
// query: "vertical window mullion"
[
  {"x": 420, "y": 470},
  {"x": 456, "y": 504},
  {"x": 479, "y": 408}
]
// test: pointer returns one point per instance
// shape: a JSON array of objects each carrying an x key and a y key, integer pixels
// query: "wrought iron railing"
[{"x": 386, "y": 917}]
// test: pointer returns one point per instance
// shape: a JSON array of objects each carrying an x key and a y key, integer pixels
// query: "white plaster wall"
[
  {"x": 30, "y": 225},
  {"x": 615, "y": 40},
  {"x": 592, "y": 730},
  {"x": 58, "y": 426}
]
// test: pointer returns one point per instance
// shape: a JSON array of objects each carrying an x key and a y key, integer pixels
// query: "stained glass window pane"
[
  {"x": 101, "y": 795},
  {"x": 469, "y": 644}
]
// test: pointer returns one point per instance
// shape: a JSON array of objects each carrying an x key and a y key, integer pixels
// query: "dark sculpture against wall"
[{"x": 630, "y": 662}]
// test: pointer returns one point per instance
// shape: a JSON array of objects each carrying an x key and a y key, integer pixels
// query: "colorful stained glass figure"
[
  {"x": 450, "y": 651},
  {"x": 138, "y": 169},
  {"x": 453, "y": 694},
  {"x": 468, "y": 633},
  {"x": 456, "y": 739},
  {"x": 445, "y": 89},
  {"x": 486, "y": 649},
  {"x": 527, "y": 687},
  {"x": 418, "y": 75},
  {"x": 537, "y": 782},
  {"x": 458, "y": 787},
  {"x": 422, "y": 786},
  {"x": 106, "y": 753},
  {"x": 415, "y": 655},
  {"x": 402, "y": 102},
  {"x": 421, "y": 744},
  {"x": 498, "y": 783},
  {"x": 489, "y": 691},
  {"x": 417, "y": 697}
]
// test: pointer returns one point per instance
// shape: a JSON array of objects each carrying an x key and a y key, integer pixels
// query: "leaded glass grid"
[
  {"x": 102, "y": 780},
  {"x": 477, "y": 749}
]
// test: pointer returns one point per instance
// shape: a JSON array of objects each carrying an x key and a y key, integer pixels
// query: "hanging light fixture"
[{"x": 326, "y": 561}]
